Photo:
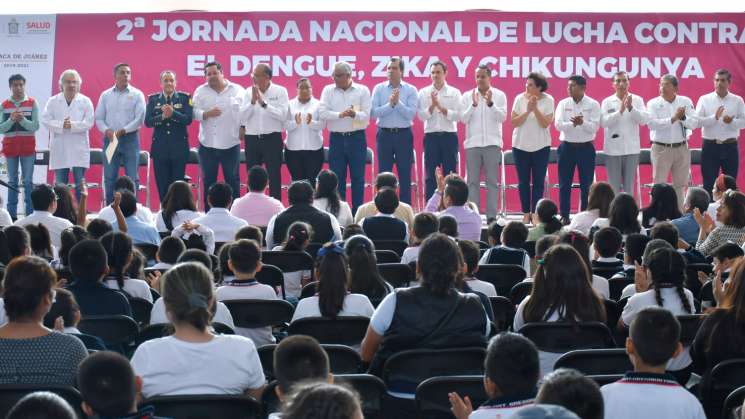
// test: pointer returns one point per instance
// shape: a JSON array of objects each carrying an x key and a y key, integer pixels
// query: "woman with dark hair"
[
  {"x": 326, "y": 198},
  {"x": 581, "y": 244},
  {"x": 731, "y": 213},
  {"x": 662, "y": 207},
  {"x": 721, "y": 185},
  {"x": 14, "y": 242},
  {"x": 363, "y": 267},
  {"x": 66, "y": 207},
  {"x": 186, "y": 362},
  {"x": 545, "y": 220},
  {"x": 33, "y": 354},
  {"x": 69, "y": 238},
  {"x": 313, "y": 400},
  {"x": 532, "y": 115},
  {"x": 296, "y": 240},
  {"x": 623, "y": 214},
  {"x": 118, "y": 248},
  {"x": 178, "y": 206},
  {"x": 598, "y": 205},
  {"x": 41, "y": 241},
  {"x": 332, "y": 297}
]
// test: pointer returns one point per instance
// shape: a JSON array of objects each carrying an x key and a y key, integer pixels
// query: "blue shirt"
[
  {"x": 140, "y": 232},
  {"x": 687, "y": 228},
  {"x": 399, "y": 116},
  {"x": 119, "y": 109}
]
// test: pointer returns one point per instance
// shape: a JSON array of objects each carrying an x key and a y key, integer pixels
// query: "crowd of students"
[{"x": 61, "y": 266}]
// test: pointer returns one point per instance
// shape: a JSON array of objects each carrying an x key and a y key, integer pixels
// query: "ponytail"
[
  {"x": 439, "y": 262},
  {"x": 298, "y": 235},
  {"x": 118, "y": 251}
]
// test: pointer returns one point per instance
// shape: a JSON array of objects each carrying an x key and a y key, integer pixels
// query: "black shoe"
[
  {"x": 490, "y": 220},
  {"x": 565, "y": 221}
]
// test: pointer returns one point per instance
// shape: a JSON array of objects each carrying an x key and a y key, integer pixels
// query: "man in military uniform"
[{"x": 169, "y": 113}]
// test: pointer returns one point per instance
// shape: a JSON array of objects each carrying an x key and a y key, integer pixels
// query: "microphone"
[{"x": 4, "y": 183}]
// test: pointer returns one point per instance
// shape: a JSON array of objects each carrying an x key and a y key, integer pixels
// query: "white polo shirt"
[
  {"x": 621, "y": 129},
  {"x": 645, "y": 395},
  {"x": 567, "y": 108}
]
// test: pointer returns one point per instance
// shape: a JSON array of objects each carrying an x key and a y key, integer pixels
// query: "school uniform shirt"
[
  {"x": 583, "y": 221},
  {"x": 531, "y": 136},
  {"x": 55, "y": 225},
  {"x": 249, "y": 289},
  {"x": 219, "y": 132},
  {"x": 265, "y": 119},
  {"x": 345, "y": 213},
  {"x": 621, "y": 126},
  {"x": 133, "y": 287},
  {"x": 661, "y": 129},
  {"x": 68, "y": 147},
  {"x": 227, "y": 364},
  {"x": 305, "y": 136},
  {"x": 354, "y": 305},
  {"x": 222, "y": 314},
  {"x": 293, "y": 280},
  {"x": 449, "y": 97},
  {"x": 180, "y": 217},
  {"x": 483, "y": 287},
  {"x": 143, "y": 213},
  {"x": 671, "y": 302},
  {"x": 411, "y": 254},
  {"x": 501, "y": 408},
  {"x": 222, "y": 223},
  {"x": 647, "y": 395},
  {"x": 714, "y": 129},
  {"x": 483, "y": 122},
  {"x": 567, "y": 108}
]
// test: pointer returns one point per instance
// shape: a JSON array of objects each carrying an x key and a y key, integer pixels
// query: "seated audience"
[
  {"x": 143, "y": 213},
  {"x": 296, "y": 240},
  {"x": 119, "y": 256},
  {"x": 194, "y": 360},
  {"x": 256, "y": 207},
  {"x": 14, "y": 242},
  {"x": 581, "y": 244},
  {"x": 623, "y": 214},
  {"x": 219, "y": 219},
  {"x": 364, "y": 277},
  {"x": 403, "y": 211},
  {"x": 109, "y": 388},
  {"x": 686, "y": 223},
  {"x": 572, "y": 390},
  {"x": 510, "y": 378},
  {"x": 195, "y": 236},
  {"x": 322, "y": 400},
  {"x": 31, "y": 353},
  {"x": 226, "y": 275},
  {"x": 632, "y": 255},
  {"x": 425, "y": 223},
  {"x": 721, "y": 185},
  {"x": 332, "y": 297},
  {"x": 69, "y": 238},
  {"x": 448, "y": 225},
  {"x": 544, "y": 411},
  {"x": 663, "y": 205},
  {"x": 250, "y": 232},
  {"x": 648, "y": 392},
  {"x": 607, "y": 243},
  {"x": 350, "y": 231},
  {"x": 41, "y": 405},
  {"x": 89, "y": 266},
  {"x": 300, "y": 195},
  {"x": 64, "y": 316},
  {"x": 384, "y": 225},
  {"x": 470, "y": 251},
  {"x": 598, "y": 205},
  {"x": 44, "y": 201},
  {"x": 245, "y": 261},
  {"x": 545, "y": 219},
  {"x": 168, "y": 252},
  {"x": 41, "y": 243},
  {"x": 97, "y": 227},
  {"x": 665, "y": 230},
  {"x": 66, "y": 207},
  {"x": 510, "y": 252},
  {"x": 138, "y": 230},
  {"x": 451, "y": 197},
  {"x": 731, "y": 213},
  {"x": 326, "y": 198},
  {"x": 178, "y": 207}
]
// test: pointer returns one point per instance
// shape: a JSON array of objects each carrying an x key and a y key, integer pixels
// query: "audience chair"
[
  {"x": 313, "y": 248},
  {"x": 116, "y": 331},
  {"x": 343, "y": 330},
  {"x": 387, "y": 256},
  {"x": 342, "y": 359},
  {"x": 597, "y": 362},
  {"x": 206, "y": 406},
  {"x": 616, "y": 286},
  {"x": 272, "y": 276},
  {"x": 519, "y": 291},
  {"x": 405, "y": 370},
  {"x": 560, "y": 337},
  {"x": 288, "y": 261},
  {"x": 689, "y": 325},
  {"x": 371, "y": 390},
  {"x": 504, "y": 312},
  {"x": 397, "y": 274},
  {"x": 529, "y": 247},
  {"x": 141, "y": 309},
  {"x": 716, "y": 384},
  {"x": 254, "y": 313},
  {"x": 692, "y": 282},
  {"x": 733, "y": 403},
  {"x": 397, "y": 246},
  {"x": 503, "y": 277},
  {"x": 308, "y": 290},
  {"x": 432, "y": 394},
  {"x": 147, "y": 249}
]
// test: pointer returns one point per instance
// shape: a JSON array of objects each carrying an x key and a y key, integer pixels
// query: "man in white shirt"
[
  {"x": 439, "y": 109},
  {"x": 345, "y": 106},
  {"x": 484, "y": 111},
  {"x": 44, "y": 201},
  {"x": 671, "y": 117},
  {"x": 217, "y": 107},
  {"x": 304, "y": 143},
  {"x": 721, "y": 115},
  {"x": 577, "y": 120},
  {"x": 143, "y": 213},
  {"x": 69, "y": 116},
  {"x": 621, "y": 115},
  {"x": 218, "y": 218},
  {"x": 119, "y": 115},
  {"x": 263, "y": 114}
]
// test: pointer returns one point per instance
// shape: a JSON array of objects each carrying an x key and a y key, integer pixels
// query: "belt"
[
  {"x": 262, "y": 136},
  {"x": 671, "y": 145},
  {"x": 725, "y": 141},
  {"x": 395, "y": 129},
  {"x": 573, "y": 144},
  {"x": 348, "y": 133}
]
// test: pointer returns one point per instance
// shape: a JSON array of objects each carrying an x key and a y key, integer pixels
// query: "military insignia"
[{"x": 178, "y": 106}]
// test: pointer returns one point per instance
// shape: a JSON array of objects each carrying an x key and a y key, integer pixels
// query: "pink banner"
[{"x": 307, "y": 44}]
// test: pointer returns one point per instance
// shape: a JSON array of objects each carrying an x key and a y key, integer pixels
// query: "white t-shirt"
[
  {"x": 354, "y": 305},
  {"x": 649, "y": 396},
  {"x": 483, "y": 287},
  {"x": 344, "y": 217},
  {"x": 411, "y": 254},
  {"x": 583, "y": 221},
  {"x": 3, "y": 319},
  {"x": 249, "y": 290},
  {"x": 498, "y": 411},
  {"x": 180, "y": 217},
  {"x": 132, "y": 286},
  {"x": 228, "y": 364},
  {"x": 670, "y": 301},
  {"x": 531, "y": 136},
  {"x": 222, "y": 314},
  {"x": 600, "y": 285}
]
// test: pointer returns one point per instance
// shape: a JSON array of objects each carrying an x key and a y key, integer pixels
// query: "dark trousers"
[
  {"x": 582, "y": 157},
  {"x": 715, "y": 156},
  {"x": 397, "y": 145},
  {"x": 211, "y": 159},
  {"x": 168, "y": 169},
  {"x": 266, "y": 149},
  {"x": 440, "y": 149},
  {"x": 531, "y": 171},
  {"x": 349, "y": 149},
  {"x": 304, "y": 164}
]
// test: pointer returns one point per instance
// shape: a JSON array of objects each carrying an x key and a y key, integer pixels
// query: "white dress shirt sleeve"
[{"x": 325, "y": 109}]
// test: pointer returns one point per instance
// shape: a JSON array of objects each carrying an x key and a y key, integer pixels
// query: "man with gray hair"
[
  {"x": 345, "y": 106},
  {"x": 686, "y": 224},
  {"x": 69, "y": 116},
  {"x": 671, "y": 119}
]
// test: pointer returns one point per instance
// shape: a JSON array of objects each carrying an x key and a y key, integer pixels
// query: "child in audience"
[
  {"x": 245, "y": 261},
  {"x": 667, "y": 231},
  {"x": 194, "y": 360},
  {"x": 68, "y": 238},
  {"x": 109, "y": 388},
  {"x": 633, "y": 251},
  {"x": 572, "y": 390},
  {"x": 41, "y": 241},
  {"x": 118, "y": 248},
  {"x": 322, "y": 400},
  {"x": 297, "y": 240},
  {"x": 352, "y": 230},
  {"x": 14, "y": 242},
  {"x": 64, "y": 316},
  {"x": 659, "y": 283},
  {"x": 448, "y": 225},
  {"x": 97, "y": 227},
  {"x": 226, "y": 274},
  {"x": 384, "y": 225},
  {"x": 470, "y": 251},
  {"x": 546, "y": 220},
  {"x": 510, "y": 377},
  {"x": 607, "y": 243},
  {"x": 136, "y": 268},
  {"x": 510, "y": 251},
  {"x": 364, "y": 277},
  {"x": 42, "y": 404},
  {"x": 581, "y": 244},
  {"x": 168, "y": 252},
  {"x": 425, "y": 223},
  {"x": 654, "y": 340},
  {"x": 250, "y": 232}
]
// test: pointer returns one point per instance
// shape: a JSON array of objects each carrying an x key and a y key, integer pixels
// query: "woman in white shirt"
[
  {"x": 598, "y": 205},
  {"x": 178, "y": 207},
  {"x": 721, "y": 185},
  {"x": 119, "y": 254},
  {"x": 332, "y": 299},
  {"x": 193, "y": 360},
  {"x": 304, "y": 143},
  {"x": 326, "y": 198},
  {"x": 532, "y": 114}
]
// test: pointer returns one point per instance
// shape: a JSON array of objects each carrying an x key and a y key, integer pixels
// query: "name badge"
[{"x": 178, "y": 106}]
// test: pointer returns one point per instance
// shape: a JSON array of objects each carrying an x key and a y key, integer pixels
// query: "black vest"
[
  {"x": 381, "y": 227},
  {"x": 506, "y": 256},
  {"x": 419, "y": 312},
  {"x": 318, "y": 220}
]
